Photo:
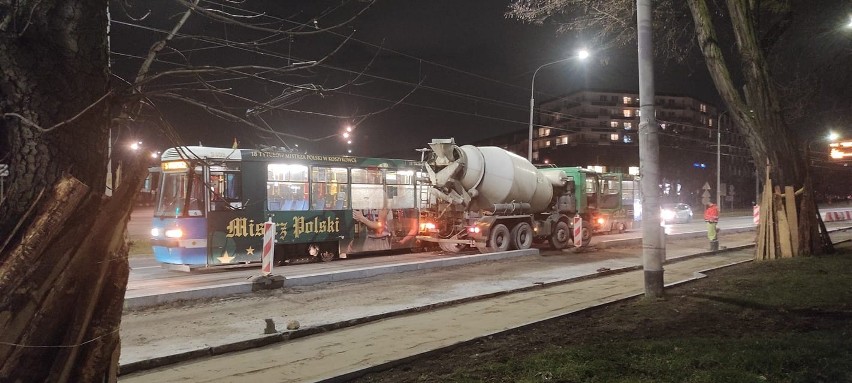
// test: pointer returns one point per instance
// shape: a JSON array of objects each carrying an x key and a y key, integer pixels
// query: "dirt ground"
[{"x": 695, "y": 309}]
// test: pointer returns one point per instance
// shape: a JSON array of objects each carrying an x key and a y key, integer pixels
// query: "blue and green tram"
[{"x": 213, "y": 202}]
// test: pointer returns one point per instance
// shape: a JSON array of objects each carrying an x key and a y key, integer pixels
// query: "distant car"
[{"x": 676, "y": 213}]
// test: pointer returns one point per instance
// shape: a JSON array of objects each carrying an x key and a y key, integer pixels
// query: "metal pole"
[
  {"x": 719, "y": 163},
  {"x": 532, "y": 106},
  {"x": 653, "y": 244}
]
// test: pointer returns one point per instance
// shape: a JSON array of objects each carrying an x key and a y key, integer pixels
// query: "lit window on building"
[
  {"x": 627, "y": 139},
  {"x": 543, "y": 132},
  {"x": 628, "y": 113},
  {"x": 638, "y": 113},
  {"x": 562, "y": 140},
  {"x": 628, "y": 125},
  {"x": 627, "y": 100},
  {"x": 709, "y": 122},
  {"x": 613, "y": 137},
  {"x": 613, "y": 124},
  {"x": 703, "y": 108}
]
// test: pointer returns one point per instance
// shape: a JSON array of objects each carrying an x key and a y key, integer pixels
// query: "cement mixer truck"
[{"x": 494, "y": 200}]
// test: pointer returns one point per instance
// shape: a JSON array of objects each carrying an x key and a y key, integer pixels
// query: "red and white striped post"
[
  {"x": 578, "y": 231},
  {"x": 268, "y": 247},
  {"x": 755, "y": 213}
]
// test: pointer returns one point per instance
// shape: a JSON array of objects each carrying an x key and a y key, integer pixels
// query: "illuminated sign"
[
  {"x": 840, "y": 150},
  {"x": 174, "y": 165}
]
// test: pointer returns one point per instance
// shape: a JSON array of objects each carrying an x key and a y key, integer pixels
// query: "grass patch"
[{"x": 782, "y": 321}]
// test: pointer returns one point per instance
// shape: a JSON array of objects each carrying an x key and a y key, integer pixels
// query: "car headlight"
[{"x": 667, "y": 214}]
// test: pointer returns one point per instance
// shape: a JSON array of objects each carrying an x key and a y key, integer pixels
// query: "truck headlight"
[{"x": 155, "y": 232}]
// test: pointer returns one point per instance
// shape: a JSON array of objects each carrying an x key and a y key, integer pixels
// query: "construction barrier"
[
  {"x": 756, "y": 214},
  {"x": 578, "y": 231},
  {"x": 268, "y": 247},
  {"x": 831, "y": 216}
]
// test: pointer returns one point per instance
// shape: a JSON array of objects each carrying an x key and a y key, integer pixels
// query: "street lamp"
[
  {"x": 719, "y": 161},
  {"x": 582, "y": 55}
]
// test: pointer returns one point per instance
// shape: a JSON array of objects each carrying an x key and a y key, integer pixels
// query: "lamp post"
[
  {"x": 582, "y": 54},
  {"x": 719, "y": 161}
]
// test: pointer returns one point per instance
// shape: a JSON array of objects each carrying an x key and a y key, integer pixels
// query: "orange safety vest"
[{"x": 712, "y": 213}]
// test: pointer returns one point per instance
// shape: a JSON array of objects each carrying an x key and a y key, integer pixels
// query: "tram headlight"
[
  {"x": 174, "y": 233},
  {"x": 427, "y": 226},
  {"x": 155, "y": 232}
]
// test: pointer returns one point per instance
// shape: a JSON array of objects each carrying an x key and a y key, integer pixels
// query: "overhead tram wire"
[
  {"x": 389, "y": 50},
  {"x": 231, "y": 45},
  {"x": 255, "y": 49}
]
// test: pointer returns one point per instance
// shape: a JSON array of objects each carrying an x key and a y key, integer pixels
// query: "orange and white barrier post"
[
  {"x": 831, "y": 216},
  {"x": 268, "y": 247},
  {"x": 756, "y": 214},
  {"x": 578, "y": 231}
]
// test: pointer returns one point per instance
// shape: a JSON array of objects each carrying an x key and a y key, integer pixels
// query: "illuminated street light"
[
  {"x": 136, "y": 145},
  {"x": 582, "y": 55},
  {"x": 832, "y": 136}
]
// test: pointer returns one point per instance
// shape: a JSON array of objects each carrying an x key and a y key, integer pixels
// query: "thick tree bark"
[
  {"x": 758, "y": 113},
  {"x": 63, "y": 258},
  {"x": 54, "y": 62}
]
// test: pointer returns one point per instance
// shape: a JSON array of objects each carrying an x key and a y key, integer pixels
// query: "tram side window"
[
  {"x": 225, "y": 190},
  {"x": 368, "y": 192},
  {"x": 329, "y": 188},
  {"x": 287, "y": 187},
  {"x": 400, "y": 189}
]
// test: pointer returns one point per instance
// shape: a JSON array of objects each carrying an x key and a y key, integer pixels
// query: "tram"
[{"x": 213, "y": 202}]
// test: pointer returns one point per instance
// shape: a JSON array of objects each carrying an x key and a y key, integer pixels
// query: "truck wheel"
[
  {"x": 560, "y": 236},
  {"x": 587, "y": 233},
  {"x": 522, "y": 236},
  {"x": 499, "y": 238}
]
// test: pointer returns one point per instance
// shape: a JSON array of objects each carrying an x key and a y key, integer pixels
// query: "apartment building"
[{"x": 600, "y": 128}]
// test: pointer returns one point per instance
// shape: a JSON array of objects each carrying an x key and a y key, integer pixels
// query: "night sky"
[{"x": 473, "y": 66}]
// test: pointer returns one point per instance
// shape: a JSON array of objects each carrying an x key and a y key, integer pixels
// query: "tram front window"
[{"x": 173, "y": 200}]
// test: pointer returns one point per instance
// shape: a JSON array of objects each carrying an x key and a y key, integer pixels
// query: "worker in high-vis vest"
[{"x": 711, "y": 216}]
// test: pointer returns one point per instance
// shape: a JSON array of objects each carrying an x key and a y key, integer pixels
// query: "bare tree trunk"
[
  {"x": 758, "y": 113},
  {"x": 63, "y": 258}
]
